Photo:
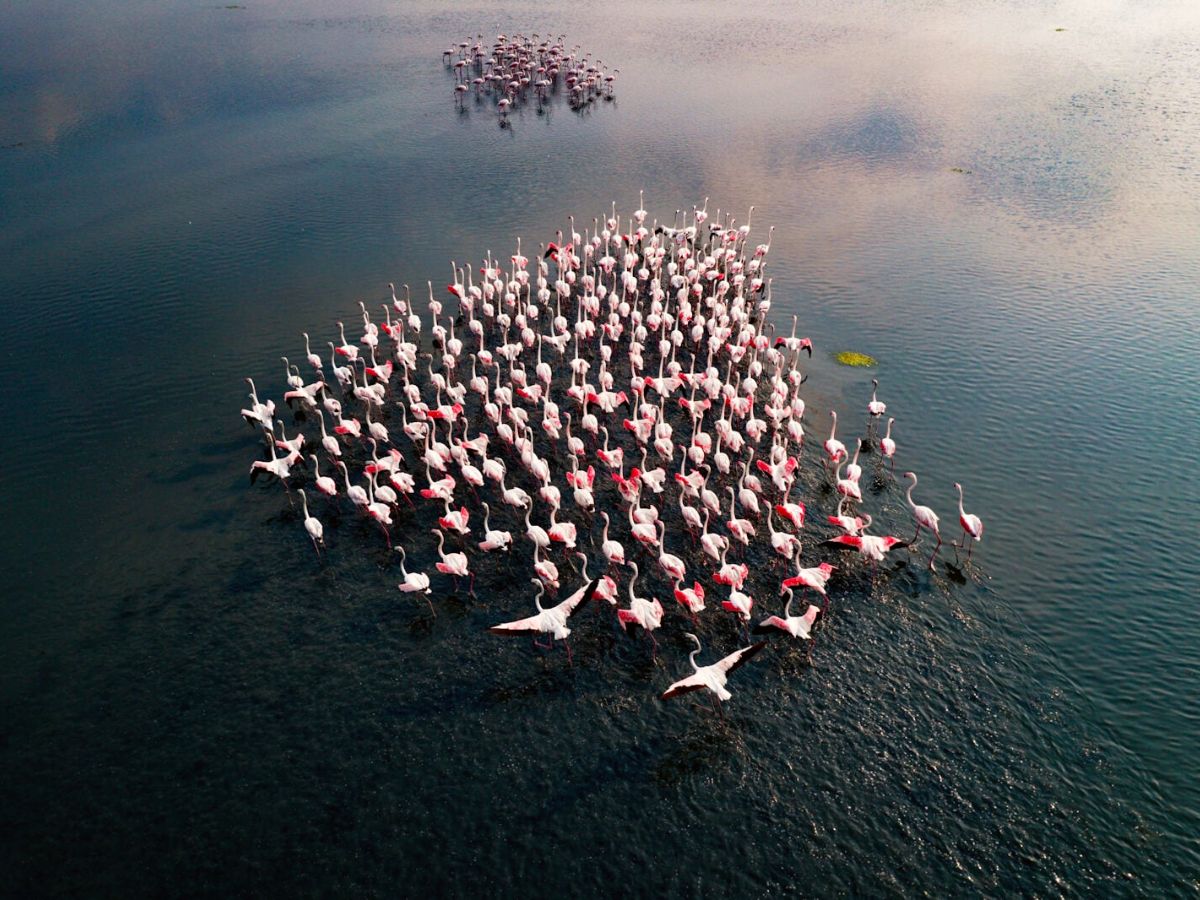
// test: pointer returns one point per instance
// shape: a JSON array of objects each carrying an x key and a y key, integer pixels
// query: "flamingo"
[
  {"x": 455, "y": 519},
  {"x": 691, "y": 599},
  {"x": 887, "y": 446},
  {"x": 606, "y": 588},
  {"x": 562, "y": 532},
  {"x": 730, "y": 574},
  {"x": 260, "y": 413},
  {"x": 414, "y": 582},
  {"x": 741, "y": 529},
  {"x": 853, "y": 469},
  {"x": 715, "y": 545},
  {"x": 875, "y": 407},
  {"x": 793, "y": 512},
  {"x": 796, "y": 626},
  {"x": 312, "y": 525},
  {"x": 834, "y": 449},
  {"x": 847, "y": 488},
  {"x": 924, "y": 517},
  {"x": 850, "y": 525},
  {"x": 328, "y": 441},
  {"x": 691, "y": 517},
  {"x": 972, "y": 525},
  {"x": 545, "y": 569},
  {"x": 646, "y": 613},
  {"x": 872, "y": 546},
  {"x": 612, "y": 550},
  {"x": 783, "y": 543},
  {"x": 739, "y": 603},
  {"x": 714, "y": 677},
  {"x": 670, "y": 563},
  {"x": 324, "y": 483},
  {"x": 816, "y": 578},
  {"x": 643, "y": 532},
  {"x": 356, "y": 493},
  {"x": 452, "y": 563},
  {"x": 313, "y": 359},
  {"x": 536, "y": 533},
  {"x": 552, "y": 621},
  {"x": 493, "y": 540},
  {"x": 279, "y": 466},
  {"x": 379, "y": 511}
]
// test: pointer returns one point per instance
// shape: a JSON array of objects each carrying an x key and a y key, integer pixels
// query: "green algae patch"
[
  {"x": 858, "y": 360},
  {"x": 959, "y": 170}
]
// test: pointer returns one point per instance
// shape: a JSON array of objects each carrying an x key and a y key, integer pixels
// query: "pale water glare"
[{"x": 999, "y": 201}]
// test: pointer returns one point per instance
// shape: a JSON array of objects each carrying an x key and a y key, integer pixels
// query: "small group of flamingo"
[
  {"x": 515, "y": 69},
  {"x": 874, "y": 547}
]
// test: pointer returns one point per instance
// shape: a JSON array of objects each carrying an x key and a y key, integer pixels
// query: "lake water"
[{"x": 998, "y": 201}]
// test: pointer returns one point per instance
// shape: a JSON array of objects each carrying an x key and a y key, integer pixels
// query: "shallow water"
[{"x": 192, "y": 703}]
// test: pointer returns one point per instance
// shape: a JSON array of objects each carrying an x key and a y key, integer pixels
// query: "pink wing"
[
  {"x": 520, "y": 626},
  {"x": 683, "y": 686},
  {"x": 739, "y": 657}
]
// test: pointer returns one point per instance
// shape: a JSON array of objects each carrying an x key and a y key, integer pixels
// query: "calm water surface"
[{"x": 191, "y": 704}]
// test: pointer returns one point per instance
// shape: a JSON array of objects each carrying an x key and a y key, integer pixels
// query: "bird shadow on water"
[
  {"x": 712, "y": 743},
  {"x": 794, "y": 659},
  {"x": 549, "y": 681}
]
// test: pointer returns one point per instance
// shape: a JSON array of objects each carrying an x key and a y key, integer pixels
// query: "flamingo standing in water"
[
  {"x": 691, "y": 599},
  {"x": 834, "y": 449},
  {"x": 646, "y": 613},
  {"x": 612, "y": 550},
  {"x": 414, "y": 582},
  {"x": 887, "y": 446},
  {"x": 453, "y": 563},
  {"x": 924, "y": 517},
  {"x": 875, "y": 407},
  {"x": 325, "y": 484},
  {"x": 493, "y": 539},
  {"x": 312, "y": 525},
  {"x": 972, "y": 525}
]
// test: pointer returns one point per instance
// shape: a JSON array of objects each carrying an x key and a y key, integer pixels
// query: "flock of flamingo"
[
  {"x": 517, "y": 69},
  {"x": 637, "y": 352}
]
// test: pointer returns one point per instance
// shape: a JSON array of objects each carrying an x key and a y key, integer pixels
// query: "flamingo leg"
[{"x": 935, "y": 550}]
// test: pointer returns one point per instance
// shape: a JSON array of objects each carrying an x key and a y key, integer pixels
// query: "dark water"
[{"x": 191, "y": 704}]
